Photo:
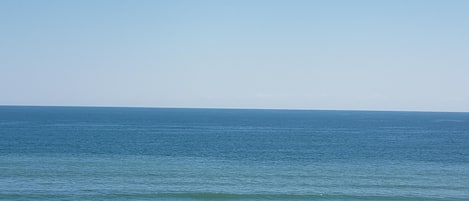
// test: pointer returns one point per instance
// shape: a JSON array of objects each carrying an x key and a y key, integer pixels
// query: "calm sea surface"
[{"x": 85, "y": 153}]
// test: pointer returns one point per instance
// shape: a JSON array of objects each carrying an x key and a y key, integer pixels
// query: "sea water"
[{"x": 92, "y": 153}]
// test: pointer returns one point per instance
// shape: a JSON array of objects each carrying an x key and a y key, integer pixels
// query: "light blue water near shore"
[{"x": 79, "y": 153}]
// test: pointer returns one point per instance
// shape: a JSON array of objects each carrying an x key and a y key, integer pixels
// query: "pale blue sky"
[{"x": 359, "y": 55}]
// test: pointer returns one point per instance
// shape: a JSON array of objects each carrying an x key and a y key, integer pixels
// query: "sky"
[{"x": 291, "y": 54}]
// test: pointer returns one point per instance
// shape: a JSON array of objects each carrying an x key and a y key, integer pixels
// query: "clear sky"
[{"x": 359, "y": 55}]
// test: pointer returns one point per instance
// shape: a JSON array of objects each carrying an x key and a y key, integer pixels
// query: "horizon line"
[{"x": 230, "y": 108}]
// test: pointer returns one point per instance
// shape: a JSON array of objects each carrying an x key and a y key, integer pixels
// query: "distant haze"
[{"x": 358, "y": 55}]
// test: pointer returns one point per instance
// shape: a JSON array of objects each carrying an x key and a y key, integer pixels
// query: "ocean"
[{"x": 99, "y": 153}]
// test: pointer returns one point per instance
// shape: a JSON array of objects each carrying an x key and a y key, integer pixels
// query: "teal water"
[{"x": 74, "y": 153}]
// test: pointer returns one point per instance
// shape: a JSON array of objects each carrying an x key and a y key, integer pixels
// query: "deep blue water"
[{"x": 91, "y": 153}]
